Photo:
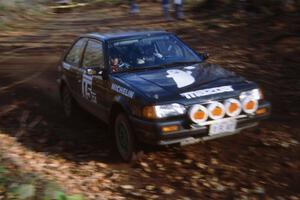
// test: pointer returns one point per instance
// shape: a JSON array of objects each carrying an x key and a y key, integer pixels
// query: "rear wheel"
[
  {"x": 124, "y": 136},
  {"x": 69, "y": 104}
]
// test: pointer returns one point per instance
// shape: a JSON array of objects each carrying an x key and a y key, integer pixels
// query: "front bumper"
[{"x": 151, "y": 131}]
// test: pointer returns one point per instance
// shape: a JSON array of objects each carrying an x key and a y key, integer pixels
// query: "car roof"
[{"x": 122, "y": 34}]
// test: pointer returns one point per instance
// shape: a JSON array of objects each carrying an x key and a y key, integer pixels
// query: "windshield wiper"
[
  {"x": 182, "y": 63},
  {"x": 165, "y": 65},
  {"x": 145, "y": 68}
]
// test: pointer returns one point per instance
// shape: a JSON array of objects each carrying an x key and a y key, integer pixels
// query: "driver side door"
[{"x": 93, "y": 85}]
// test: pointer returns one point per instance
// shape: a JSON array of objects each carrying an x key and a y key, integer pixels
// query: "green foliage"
[
  {"x": 2, "y": 8},
  {"x": 54, "y": 192},
  {"x": 50, "y": 191},
  {"x": 63, "y": 196},
  {"x": 2, "y": 170},
  {"x": 24, "y": 191},
  {"x": 15, "y": 185}
]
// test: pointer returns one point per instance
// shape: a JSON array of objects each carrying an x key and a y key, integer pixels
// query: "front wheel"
[{"x": 124, "y": 136}]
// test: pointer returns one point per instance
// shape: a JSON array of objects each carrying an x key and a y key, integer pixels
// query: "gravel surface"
[{"x": 258, "y": 164}]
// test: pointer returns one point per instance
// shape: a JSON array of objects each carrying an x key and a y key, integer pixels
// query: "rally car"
[{"x": 150, "y": 87}]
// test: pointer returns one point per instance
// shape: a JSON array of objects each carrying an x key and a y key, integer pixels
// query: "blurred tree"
[{"x": 273, "y": 6}]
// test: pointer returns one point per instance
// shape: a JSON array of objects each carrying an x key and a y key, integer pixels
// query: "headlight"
[
  {"x": 162, "y": 111},
  {"x": 254, "y": 94}
]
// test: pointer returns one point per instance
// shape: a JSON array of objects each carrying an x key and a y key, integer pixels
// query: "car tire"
[
  {"x": 69, "y": 104},
  {"x": 124, "y": 138}
]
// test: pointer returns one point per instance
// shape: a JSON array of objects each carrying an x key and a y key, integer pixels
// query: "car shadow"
[{"x": 35, "y": 117}]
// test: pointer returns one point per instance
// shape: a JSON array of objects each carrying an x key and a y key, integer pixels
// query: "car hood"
[{"x": 183, "y": 82}]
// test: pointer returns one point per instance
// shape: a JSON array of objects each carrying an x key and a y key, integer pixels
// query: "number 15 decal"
[{"x": 86, "y": 88}]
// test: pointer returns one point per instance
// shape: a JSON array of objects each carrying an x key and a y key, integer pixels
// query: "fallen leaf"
[
  {"x": 127, "y": 187},
  {"x": 167, "y": 190}
]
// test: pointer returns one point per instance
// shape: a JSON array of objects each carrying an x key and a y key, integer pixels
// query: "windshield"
[{"x": 149, "y": 52}]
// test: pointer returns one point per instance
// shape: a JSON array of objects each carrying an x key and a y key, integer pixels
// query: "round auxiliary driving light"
[
  {"x": 198, "y": 113},
  {"x": 216, "y": 110},
  {"x": 233, "y": 107},
  {"x": 250, "y": 105}
]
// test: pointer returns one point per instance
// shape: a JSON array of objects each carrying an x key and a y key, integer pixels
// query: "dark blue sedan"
[{"x": 151, "y": 87}]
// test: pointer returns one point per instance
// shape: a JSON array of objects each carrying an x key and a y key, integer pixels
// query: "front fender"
[{"x": 123, "y": 104}]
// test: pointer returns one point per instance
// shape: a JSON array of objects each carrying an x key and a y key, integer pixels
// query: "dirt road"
[{"x": 257, "y": 164}]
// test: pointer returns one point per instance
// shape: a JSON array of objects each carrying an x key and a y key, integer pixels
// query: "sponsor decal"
[
  {"x": 206, "y": 92},
  {"x": 181, "y": 78},
  {"x": 122, "y": 90},
  {"x": 87, "y": 89}
]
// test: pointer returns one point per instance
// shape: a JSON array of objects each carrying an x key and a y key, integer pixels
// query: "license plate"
[{"x": 222, "y": 127}]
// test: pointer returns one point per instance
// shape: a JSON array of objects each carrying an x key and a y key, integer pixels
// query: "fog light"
[
  {"x": 172, "y": 128},
  {"x": 198, "y": 113},
  {"x": 261, "y": 111},
  {"x": 233, "y": 107},
  {"x": 250, "y": 105},
  {"x": 216, "y": 110}
]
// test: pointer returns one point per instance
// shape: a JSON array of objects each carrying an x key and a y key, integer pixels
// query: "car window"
[
  {"x": 168, "y": 48},
  {"x": 148, "y": 51},
  {"x": 74, "y": 54},
  {"x": 93, "y": 55}
]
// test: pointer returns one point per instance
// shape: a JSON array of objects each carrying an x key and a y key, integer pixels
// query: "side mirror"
[
  {"x": 204, "y": 55},
  {"x": 103, "y": 73},
  {"x": 96, "y": 71},
  {"x": 91, "y": 71}
]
